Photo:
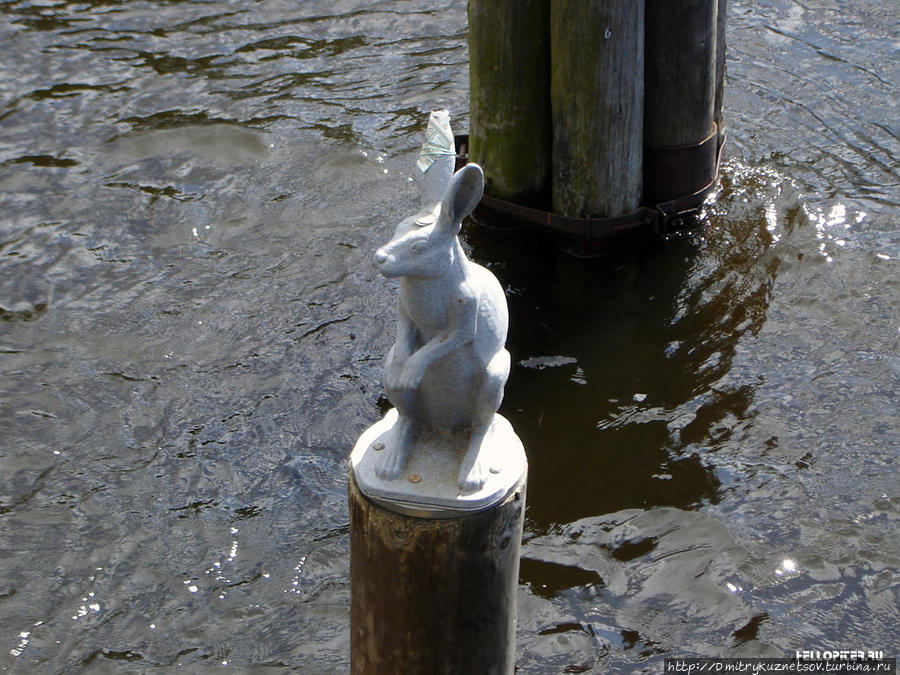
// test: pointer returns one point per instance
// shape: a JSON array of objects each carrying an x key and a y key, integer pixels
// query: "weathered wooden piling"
[
  {"x": 509, "y": 104},
  {"x": 434, "y": 595},
  {"x": 635, "y": 93},
  {"x": 597, "y": 99},
  {"x": 680, "y": 79},
  {"x": 721, "y": 43}
]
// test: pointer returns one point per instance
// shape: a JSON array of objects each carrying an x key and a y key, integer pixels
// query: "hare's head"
[{"x": 429, "y": 247}]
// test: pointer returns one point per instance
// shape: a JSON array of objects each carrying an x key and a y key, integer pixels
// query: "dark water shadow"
[
  {"x": 623, "y": 393},
  {"x": 616, "y": 362}
]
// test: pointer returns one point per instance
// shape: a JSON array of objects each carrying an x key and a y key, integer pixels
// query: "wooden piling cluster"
[{"x": 593, "y": 108}]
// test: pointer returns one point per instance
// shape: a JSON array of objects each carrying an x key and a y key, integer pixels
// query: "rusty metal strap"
[
  {"x": 589, "y": 228},
  {"x": 672, "y": 172},
  {"x": 656, "y": 218}
]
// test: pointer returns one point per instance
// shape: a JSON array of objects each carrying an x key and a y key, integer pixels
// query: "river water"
[{"x": 191, "y": 338}]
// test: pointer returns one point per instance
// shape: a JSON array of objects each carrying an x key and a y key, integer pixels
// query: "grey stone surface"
[{"x": 443, "y": 445}]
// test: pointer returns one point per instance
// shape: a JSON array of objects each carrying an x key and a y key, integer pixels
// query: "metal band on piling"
[{"x": 598, "y": 233}]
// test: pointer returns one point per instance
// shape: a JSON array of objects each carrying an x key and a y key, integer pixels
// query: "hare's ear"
[{"x": 462, "y": 197}]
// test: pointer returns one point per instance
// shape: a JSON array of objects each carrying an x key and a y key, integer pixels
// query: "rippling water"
[{"x": 191, "y": 338}]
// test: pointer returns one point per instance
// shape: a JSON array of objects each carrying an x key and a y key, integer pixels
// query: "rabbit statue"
[{"x": 446, "y": 371}]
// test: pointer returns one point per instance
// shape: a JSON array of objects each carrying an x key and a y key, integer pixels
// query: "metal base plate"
[{"x": 428, "y": 488}]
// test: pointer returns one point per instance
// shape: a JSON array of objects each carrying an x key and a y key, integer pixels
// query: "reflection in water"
[
  {"x": 673, "y": 416},
  {"x": 641, "y": 557},
  {"x": 615, "y": 394}
]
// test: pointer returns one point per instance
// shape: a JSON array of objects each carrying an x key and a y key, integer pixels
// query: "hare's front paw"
[
  {"x": 410, "y": 376},
  {"x": 392, "y": 376},
  {"x": 404, "y": 375}
]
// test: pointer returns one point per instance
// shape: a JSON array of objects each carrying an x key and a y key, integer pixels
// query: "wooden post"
[
  {"x": 680, "y": 88},
  {"x": 596, "y": 93},
  {"x": 434, "y": 595},
  {"x": 721, "y": 25},
  {"x": 509, "y": 102}
]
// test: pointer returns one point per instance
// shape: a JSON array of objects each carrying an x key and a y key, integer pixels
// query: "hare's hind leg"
[
  {"x": 475, "y": 466},
  {"x": 392, "y": 460}
]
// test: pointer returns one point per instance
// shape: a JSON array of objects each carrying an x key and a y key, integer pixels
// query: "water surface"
[{"x": 191, "y": 337}]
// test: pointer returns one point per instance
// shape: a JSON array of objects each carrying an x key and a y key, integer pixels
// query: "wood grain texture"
[
  {"x": 433, "y": 596},
  {"x": 680, "y": 71},
  {"x": 721, "y": 72},
  {"x": 509, "y": 101},
  {"x": 597, "y": 101}
]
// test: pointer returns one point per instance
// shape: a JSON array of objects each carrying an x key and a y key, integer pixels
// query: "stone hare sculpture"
[{"x": 446, "y": 371}]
